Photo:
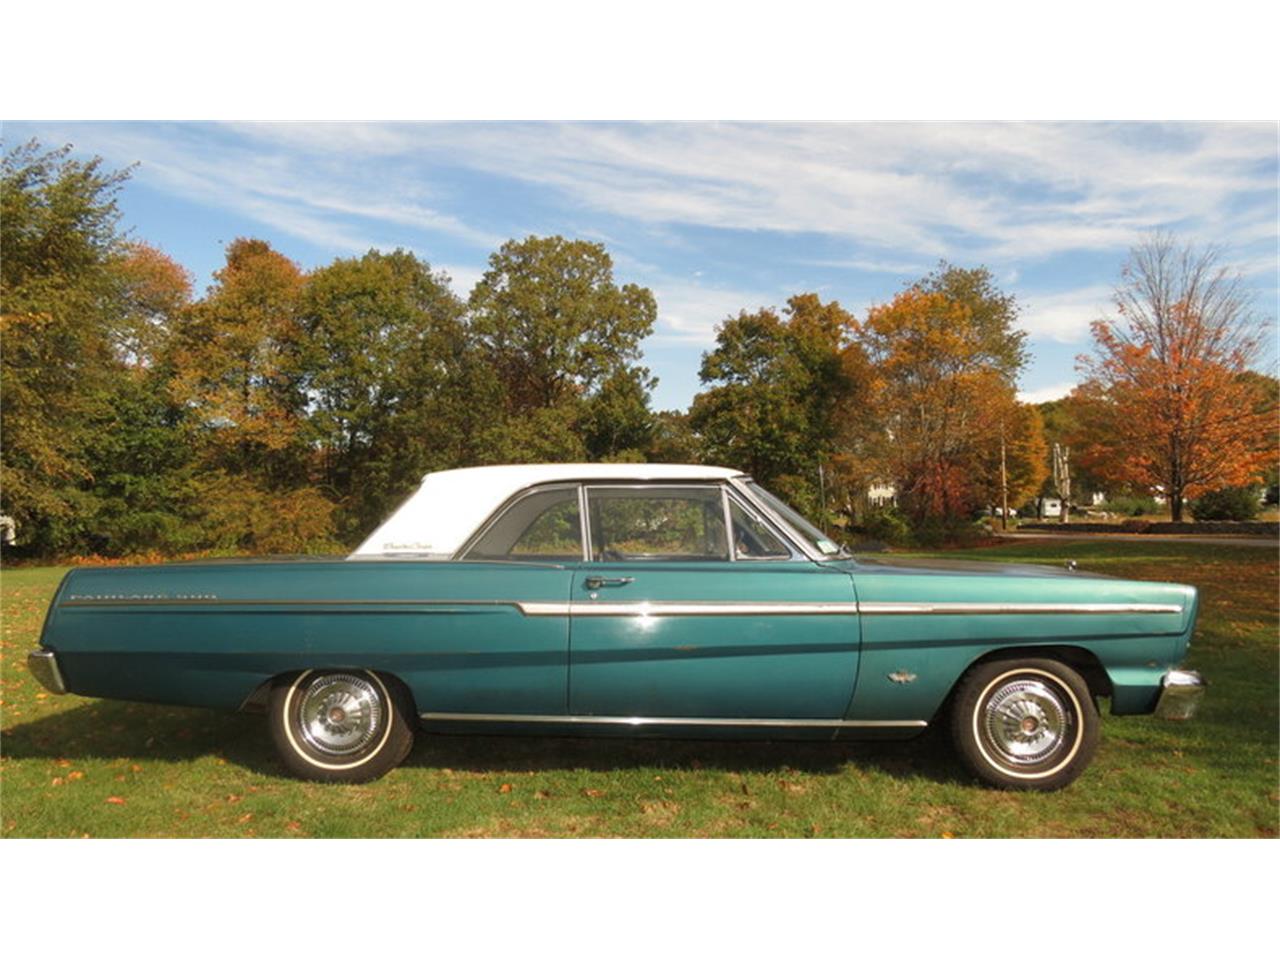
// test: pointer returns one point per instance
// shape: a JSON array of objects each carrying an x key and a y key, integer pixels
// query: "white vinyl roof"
[{"x": 451, "y": 504}]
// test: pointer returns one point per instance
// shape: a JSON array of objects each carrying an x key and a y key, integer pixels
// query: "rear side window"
[
  {"x": 541, "y": 526},
  {"x": 656, "y": 523}
]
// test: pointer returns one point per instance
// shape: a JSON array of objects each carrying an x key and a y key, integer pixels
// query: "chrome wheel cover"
[
  {"x": 339, "y": 714},
  {"x": 1026, "y": 722}
]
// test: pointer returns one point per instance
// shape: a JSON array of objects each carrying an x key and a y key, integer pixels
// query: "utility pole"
[
  {"x": 1004, "y": 485},
  {"x": 1062, "y": 478},
  {"x": 822, "y": 493}
]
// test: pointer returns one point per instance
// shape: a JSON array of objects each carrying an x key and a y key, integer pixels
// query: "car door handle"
[{"x": 593, "y": 582}]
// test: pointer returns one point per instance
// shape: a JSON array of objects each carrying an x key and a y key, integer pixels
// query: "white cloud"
[
  {"x": 925, "y": 190},
  {"x": 462, "y": 277},
  {"x": 907, "y": 194},
  {"x": 690, "y": 312},
  {"x": 1054, "y": 391},
  {"x": 310, "y": 197},
  {"x": 1066, "y": 316}
]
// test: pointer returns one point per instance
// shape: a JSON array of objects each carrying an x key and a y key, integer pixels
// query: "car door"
[
  {"x": 672, "y": 618},
  {"x": 482, "y": 653}
]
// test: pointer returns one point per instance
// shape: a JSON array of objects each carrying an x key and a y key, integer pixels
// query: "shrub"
[
  {"x": 1230, "y": 503},
  {"x": 886, "y": 526},
  {"x": 1134, "y": 506}
]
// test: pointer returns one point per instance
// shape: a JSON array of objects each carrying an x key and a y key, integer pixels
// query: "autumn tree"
[
  {"x": 239, "y": 371},
  {"x": 553, "y": 328},
  {"x": 1012, "y": 459},
  {"x": 58, "y": 305},
  {"x": 152, "y": 293},
  {"x": 238, "y": 363},
  {"x": 945, "y": 356},
  {"x": 1167, "y": 404}
]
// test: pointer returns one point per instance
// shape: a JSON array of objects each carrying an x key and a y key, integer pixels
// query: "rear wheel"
[
  {"x": 1025, "y": 724},
  {"x": 341, "y": 726}
]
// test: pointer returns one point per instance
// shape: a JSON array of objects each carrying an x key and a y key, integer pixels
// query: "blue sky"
[{"x": 716, "y": 218}]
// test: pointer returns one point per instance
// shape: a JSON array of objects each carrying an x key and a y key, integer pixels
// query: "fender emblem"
[{"x": 902, "y": 676}]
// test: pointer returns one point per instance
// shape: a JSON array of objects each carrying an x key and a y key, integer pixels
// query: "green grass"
[{"x": 71, "y": 767}]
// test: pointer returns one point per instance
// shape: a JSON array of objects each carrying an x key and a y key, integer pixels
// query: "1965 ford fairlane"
[{"x": 594, "y": 598}]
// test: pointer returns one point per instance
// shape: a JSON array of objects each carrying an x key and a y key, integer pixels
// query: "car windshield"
[{"x": 816, "y": 537}]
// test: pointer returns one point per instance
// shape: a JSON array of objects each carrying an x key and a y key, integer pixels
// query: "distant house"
[{"x": 881, "y": 494}]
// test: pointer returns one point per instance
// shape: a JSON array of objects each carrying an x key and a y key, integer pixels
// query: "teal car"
[{"x": 627, "y": 599}]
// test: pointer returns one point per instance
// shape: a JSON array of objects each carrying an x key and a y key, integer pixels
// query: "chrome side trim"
[
  {"x": 647, "y": 608},
  {"x": 930, "y": 609},
  {"x": 655, "y": 608},
  {"x": 43, "y": 665},
  {"x": 257, "y": 602},
  {"x": 667, "y": 721}
]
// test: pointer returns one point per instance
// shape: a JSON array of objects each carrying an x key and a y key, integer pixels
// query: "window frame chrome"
[
  {"x": 754, "y": 513},
  {"x": 472, "y": 541},
  {"x": 741, "y": 485},
  {"x": 588, "y": 486},
  {"x": 735, "y": 487}
]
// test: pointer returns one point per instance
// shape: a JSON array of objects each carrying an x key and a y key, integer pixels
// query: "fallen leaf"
[
  {"x": 75, "y": 775},
  {"x": 136, "y": 768},
  {"x": 947, "y": 835},
  {"x": 592, "y": 793},
  {"x": 293, "y": 826},
  {"x": 57, "y": 782},
  {"x": 246, "y": 818},
  {"x": 116, "y": 800},
  {"x": 505, "y": 788}
]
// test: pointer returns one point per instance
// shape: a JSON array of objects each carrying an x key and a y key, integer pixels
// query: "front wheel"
[
  {"x": 342, "y": 726},
  {"x": 1025, "y": 724}
]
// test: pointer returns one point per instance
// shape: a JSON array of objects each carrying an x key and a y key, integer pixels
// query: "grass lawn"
[{"x": 74, "y": 767}]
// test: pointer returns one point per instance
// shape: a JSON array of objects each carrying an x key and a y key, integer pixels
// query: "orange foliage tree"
[
  {"x": 944, "y": 357},
  {"x": 1167, "y": 404}
]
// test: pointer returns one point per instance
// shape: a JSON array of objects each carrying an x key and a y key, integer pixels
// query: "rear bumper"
[
  {"x": 43, "y": 665},
  {"x": 1180, "y": 694}
]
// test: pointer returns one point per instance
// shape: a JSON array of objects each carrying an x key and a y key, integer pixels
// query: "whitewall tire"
[
  {"x": 1025, "y": 724},
  {"x": 339, "y": 726}
]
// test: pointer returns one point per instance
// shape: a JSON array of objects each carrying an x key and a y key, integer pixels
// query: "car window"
[
  {"x": 816, "y": 537},
  {"x": 541, "y": 526},
  {"x": 752, "y": 539},
  {"x": 657, "y": 523}
]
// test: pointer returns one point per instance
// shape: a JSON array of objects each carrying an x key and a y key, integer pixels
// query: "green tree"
[
  {"x": 618, "y": 424},
  {"x": 386, "y": 374},
  {"x": 552, "y": 329},
  {"x": 673, "y": 439},
  {"x": 777, "y": 385}
]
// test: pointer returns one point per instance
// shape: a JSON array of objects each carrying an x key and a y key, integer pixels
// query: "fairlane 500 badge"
[{"x": 143, "y": 596}]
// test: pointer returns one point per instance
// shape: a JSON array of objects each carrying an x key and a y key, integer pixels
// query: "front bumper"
[
  {"x": 43, "y": 665},
  {"x": 1180, "y": 694}
]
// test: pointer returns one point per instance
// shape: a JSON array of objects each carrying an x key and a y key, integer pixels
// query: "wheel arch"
[
  {"x": 1080, "y": 659},
  {"x": 258, "y": 698}
]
